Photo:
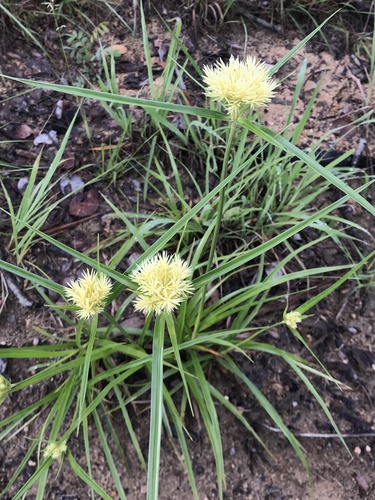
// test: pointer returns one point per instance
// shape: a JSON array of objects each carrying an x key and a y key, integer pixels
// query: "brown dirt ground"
[{"x": 341, "y": 332}]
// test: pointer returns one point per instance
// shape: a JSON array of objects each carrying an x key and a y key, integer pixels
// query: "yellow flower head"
[
  {"x": 239, "y": 85},
  {"x": 89, "y": 293},
  {"x": 55, "y": 450},
  {"x": 292, "y": 318},
  {"x": 5, "y": 387},
  {"x": 163, "y": 283}
]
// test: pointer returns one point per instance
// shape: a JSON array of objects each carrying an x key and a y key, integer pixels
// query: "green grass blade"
[
  {"x": 86, "y": 440},
  {"x": 285, "y": 145},
  {"x": 27, "y": 32},
  {"x": 33, "y": 479},
  {"x": 246, "y": 256},
  {"x": 86, "y": 367},
  {"x": 233, "y": 409},
  {"x": 156, "y": 409},
  {"x": 120, "y": 99},
  {"x": 172, "y": 335},
  {"x": 77, "y": 469},
  {"x": 177, "y": 420},
  {"x": 200, "y": 389},
  {"x": 129, "y": 425},
  {"x": 108, "y": 455},
  {"x": 299, "y": 45},
  {"x": 263, "y": 401}
]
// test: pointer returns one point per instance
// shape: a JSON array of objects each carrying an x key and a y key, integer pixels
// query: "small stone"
[
  {"x": 22, "y": 184},
  {"x": 143, "y": 489},
  {"x": 3, "y": 365},
  {"x": 362, "y": 483},
  {"x": 352, "y": 330}
]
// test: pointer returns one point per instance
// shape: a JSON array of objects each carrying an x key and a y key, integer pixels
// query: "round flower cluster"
[
  {"x": 89, "y": 293},
  {"x": 239, "y": 85},
  {"x": 163, "y": 283},
  {"x": 5, "y": 388},
  {"x": 292, "y": 318},
  {"x": 55, "y": 450}
]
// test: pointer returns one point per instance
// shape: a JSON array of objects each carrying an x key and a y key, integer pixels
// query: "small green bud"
[
  {"x": 55, "y": 450},
  {"x": 5, "y": 388}
]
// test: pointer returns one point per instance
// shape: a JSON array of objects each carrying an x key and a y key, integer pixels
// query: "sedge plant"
[{"x": 180, "y": 285}]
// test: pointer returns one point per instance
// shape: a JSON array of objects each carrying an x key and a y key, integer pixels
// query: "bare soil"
[{"x": 341, "y": 332}]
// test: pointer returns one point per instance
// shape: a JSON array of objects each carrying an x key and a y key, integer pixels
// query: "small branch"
[
  {"x": 358, "y": 82},
  {"x": 17, "y": 292},
  {"x": 324, "y": 436},
  {"x": 275, "y": 27}
]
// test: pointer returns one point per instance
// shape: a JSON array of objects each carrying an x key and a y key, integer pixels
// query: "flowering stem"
[
  {"x": 175, "y": 344},
  {"x": 144, "y": 330},
  {"x": 223, "y": 192},
  {"x": 219, "y": 215},
  {"x": 79, "y": 332},
  {"x": 86, "y": 367},
  {"x": 156, "y": 409}
]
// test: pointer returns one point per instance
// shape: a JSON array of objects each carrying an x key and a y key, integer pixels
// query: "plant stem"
[
  {"x": 219, "y": 215},
  {"x": 223, "y": 192},
  {"x": 156, "y": 409},
  {"x": 79, "y": 333}
]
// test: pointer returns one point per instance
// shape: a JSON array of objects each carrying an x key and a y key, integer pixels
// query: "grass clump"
[{"x": 250, "y": 203}]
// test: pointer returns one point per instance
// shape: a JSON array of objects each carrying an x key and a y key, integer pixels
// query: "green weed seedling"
[
  {"x": 81, "y": 48},
  {"x": 35, "y": 206}
]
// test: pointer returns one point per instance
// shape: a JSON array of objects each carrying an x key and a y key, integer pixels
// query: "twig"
[
  {"x": 17, "y": 292},
  {"x": 259, "y": 20},
  {"x": 358, "y": 82},
  {"x": 11, "y": 285},
  {"x": 324, "y": 436}
]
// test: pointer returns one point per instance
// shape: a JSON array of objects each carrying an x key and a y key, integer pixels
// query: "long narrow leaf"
[
  {"x": 263, "y": 401},
  {"x": 156, "y": 409},
  {"x": 77, "y": 469}
]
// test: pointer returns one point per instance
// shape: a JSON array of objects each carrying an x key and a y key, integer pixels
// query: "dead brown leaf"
[
  {"x": 84, "y": 204},
  {"x": 24, "y": 131}
]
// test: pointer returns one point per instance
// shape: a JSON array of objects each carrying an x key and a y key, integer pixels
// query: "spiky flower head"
[
  {"x": 55, "y": 450},
  {"x": 163, "y": 283},
  {"x": 239, "y": 85},
  {"x": 292, "y": 318},
  {"x": 89, "y": 293},
  {"x": 5, "y": 387}
]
